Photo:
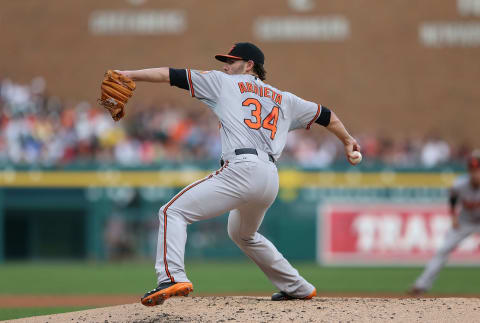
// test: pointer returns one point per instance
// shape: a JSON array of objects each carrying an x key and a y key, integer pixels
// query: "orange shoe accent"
[
  {"x": 179, "y": 289},
  {"x": 312, "y": 295}
]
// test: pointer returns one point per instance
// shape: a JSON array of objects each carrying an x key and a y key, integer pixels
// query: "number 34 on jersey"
[{"x": 270, "y": 121}]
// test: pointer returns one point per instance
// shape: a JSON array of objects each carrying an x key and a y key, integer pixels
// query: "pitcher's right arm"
[
  {"x": 336, "y": 127},
  {"x": 304, "y": 113}
]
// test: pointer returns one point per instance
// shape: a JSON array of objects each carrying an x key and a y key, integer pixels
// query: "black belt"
[{"x": 251, "y": 151}]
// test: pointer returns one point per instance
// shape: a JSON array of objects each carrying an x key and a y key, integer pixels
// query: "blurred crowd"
[{"x": 40, "y": 129}]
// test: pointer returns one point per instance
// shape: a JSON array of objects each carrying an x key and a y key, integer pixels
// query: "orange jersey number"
[
  {"x": 255, "y": 113},
  {"x": 269, "y": 123}
]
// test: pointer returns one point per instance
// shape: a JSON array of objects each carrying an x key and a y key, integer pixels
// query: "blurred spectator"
[
  {"x": 435, "y": 151},
  {"x": 118, "y": 241},
  {"x": 38, "y": 129}
]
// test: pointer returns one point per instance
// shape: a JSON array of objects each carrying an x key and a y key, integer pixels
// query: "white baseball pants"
[
  {"x": 452, "y": 240},
  {"x": 246, "y": 186}
]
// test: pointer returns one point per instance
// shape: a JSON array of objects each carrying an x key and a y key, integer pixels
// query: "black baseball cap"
[{"x": 243, "y": 51}]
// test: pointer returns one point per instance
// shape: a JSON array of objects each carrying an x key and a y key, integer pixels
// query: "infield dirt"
[{"x": 261, "y": 309}]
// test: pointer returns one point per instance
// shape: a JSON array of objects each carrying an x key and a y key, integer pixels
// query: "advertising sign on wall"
[{"x": 387, "y": 234}]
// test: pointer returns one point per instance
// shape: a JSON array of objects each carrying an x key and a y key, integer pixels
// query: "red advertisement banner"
[{"x": 387, "y": 234}]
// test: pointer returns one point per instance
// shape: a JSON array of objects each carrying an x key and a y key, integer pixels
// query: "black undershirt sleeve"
[
  {"x": 453, "y": 200},
  {"x": 178, "y": 78},
  {"x": 324, "y": 117}
]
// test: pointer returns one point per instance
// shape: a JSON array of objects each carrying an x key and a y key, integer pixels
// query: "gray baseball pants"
[
  {"x": 452, "y": 240},
  {"x": 246, "y": 186}
]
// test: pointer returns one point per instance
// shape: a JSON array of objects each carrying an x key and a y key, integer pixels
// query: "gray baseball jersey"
[
  {"x": 252, "y": 113},
  {"x": 468, "y": 198}
]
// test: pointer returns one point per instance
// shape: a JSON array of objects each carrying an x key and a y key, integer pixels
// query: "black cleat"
[
  {"x": 416, "y": 292},
  {"x": 282, "y": 296}
]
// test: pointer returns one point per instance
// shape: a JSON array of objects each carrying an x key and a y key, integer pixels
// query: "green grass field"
[
  {"x": 211, "y": 278},
  {"x": 15, "y": 313}
]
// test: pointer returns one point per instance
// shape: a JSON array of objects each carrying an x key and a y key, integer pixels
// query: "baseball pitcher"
[
  {"x": 465, "y": 212},
  {"x": 255, "y": 119}
]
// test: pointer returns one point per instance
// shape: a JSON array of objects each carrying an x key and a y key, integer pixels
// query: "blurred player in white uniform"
[
  {"x": 465, "y": 212},
  {"x": 255, "y": 119}
]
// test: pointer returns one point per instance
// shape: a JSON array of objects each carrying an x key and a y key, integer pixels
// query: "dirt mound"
[{"x": 261, "y": 309}]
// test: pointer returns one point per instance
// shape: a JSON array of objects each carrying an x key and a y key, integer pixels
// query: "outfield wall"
[
  {"x": 74, "y": 214},
  {"x": 384, "y": 66}
]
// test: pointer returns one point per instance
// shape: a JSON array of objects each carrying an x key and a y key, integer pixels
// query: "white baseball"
[{"x": 355, "y": 157}]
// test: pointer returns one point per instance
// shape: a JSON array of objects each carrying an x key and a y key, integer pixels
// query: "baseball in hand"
[{"x": 355, "y": 157}]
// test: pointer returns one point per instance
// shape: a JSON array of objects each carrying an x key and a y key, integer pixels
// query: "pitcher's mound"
[{"x": 261, "y": 309}]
